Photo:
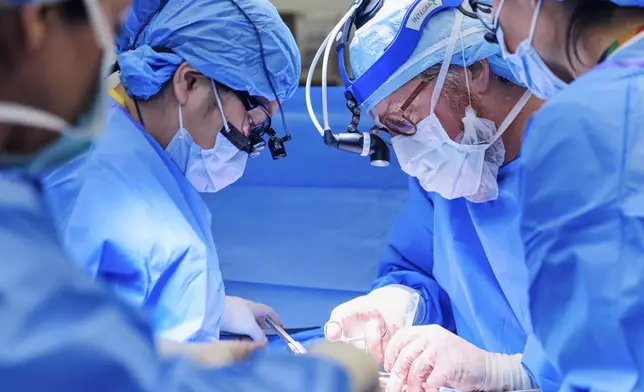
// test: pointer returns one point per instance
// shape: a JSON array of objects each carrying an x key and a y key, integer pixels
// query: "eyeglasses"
[
  {"x": 258, "y": 117},
  {"x": 399, "y": 123},
  {"x": 485, "y": 13}
]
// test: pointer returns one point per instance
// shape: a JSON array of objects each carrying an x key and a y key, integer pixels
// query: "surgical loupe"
[{"x": 360, "y": 88}]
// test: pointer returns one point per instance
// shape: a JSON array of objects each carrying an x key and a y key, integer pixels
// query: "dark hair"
[
  {"x": 585, "y": 15},
  {"x": 73, "y": 11},
  {"x": 10, "y": 37},
  {"x": 11, "y": 31}
]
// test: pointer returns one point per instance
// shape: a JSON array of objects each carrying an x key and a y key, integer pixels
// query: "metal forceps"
[{"x": 295, "y": 346}]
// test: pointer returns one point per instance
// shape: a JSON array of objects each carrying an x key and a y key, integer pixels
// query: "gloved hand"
[
  {"x": 374, "y": 317},
  {"x": 215, "y": 354},
  {"x": 425, "y": 358},
  {"x": 361, "y": 369},
  {"x": 246, "y": 317}
]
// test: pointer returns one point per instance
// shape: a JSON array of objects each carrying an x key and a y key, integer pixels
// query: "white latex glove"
[
  {"x": 215, "y": 354},
  {"x": 426, "y": 358},
  {"x": 246, "y": 317},
  {"x": 366, "y": 316}
]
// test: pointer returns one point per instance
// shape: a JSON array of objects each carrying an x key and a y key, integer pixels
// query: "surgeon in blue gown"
[
  {"x": 454, "y": 264},
  {"x": 60, "y": 330},
  {"x": 196, "y": 77},
  {"x": 583, "y": 184}
]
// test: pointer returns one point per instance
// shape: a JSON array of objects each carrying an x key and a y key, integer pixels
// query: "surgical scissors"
[{"x": 350, "y": 340}]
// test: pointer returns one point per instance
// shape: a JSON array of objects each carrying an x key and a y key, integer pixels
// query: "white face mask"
[
  {"x": 467, "y": 168},
  {"x": 207, "y": 170},
  {"x": 77, "y": 138}
]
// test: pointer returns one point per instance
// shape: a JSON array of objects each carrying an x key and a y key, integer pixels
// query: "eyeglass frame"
[
  {"x": 251, "y": 103},
  {"x": 403, "y": 108}
]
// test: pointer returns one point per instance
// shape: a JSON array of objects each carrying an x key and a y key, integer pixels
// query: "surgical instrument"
[{"x": 295, "y": 346}]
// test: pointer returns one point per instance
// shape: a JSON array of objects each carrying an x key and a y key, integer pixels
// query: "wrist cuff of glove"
[
  {"x": 421, "y": 312},
  {"x": 505, "y": 373},
  {"x": 411, "y": 300}
]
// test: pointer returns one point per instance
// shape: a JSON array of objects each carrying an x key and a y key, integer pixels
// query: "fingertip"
[
  {"x": 436, "y": 380},
  {"x": 395, "y": 383}
]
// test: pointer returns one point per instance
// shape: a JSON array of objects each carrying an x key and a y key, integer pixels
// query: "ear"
[
  {"x": 184, "y": 81},
  {"x": 33, "y": 25},
  {"x": 480, "y": 78}
]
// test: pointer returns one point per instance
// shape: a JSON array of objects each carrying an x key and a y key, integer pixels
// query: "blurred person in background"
[{"x": 56, "y": 320}]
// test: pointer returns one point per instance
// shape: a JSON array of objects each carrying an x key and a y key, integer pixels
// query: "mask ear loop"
[
  {"x": 100, "y": 26},
  {"x": 220, "y": 106},
  {"x": 180, "y": 117},
  {"x": 467, "y": 77},
  {"x": 514, "y": 112},
  {"x": 535, "y": 19},
  {"x": 496, "y": 16},
  {"x": 449, "y": 52}
]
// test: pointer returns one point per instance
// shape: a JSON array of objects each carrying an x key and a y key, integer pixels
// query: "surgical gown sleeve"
[
  {"x": 408, "y": 258},
  {"x": 61, "y": 331},
  {"x": 583, "y": 229}
]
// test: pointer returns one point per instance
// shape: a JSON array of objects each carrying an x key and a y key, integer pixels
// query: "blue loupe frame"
[{"x": 396, "y": 54}]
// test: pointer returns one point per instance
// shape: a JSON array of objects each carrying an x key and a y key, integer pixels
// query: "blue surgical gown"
[
  {"x": 583, "y": 225},
  {"x": 130, "y": 218},
  {"x": 61, "y": 331},
  {"x": 466, "y": 261}
]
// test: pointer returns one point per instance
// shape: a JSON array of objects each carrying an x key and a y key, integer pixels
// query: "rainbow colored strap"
[{"x": 617, "y": 44}]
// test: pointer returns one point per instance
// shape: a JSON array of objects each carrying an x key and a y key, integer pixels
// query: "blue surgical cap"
[
  {"x": 372, "y": 39},
  {"x": 215, "y": 38}
]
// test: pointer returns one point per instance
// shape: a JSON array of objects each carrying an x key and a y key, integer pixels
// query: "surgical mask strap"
[
  {"x": 180, "y": 117},
  {"x": 498, "y": 12},
  {"x": 514, "y": 112},
  {"x": 221, "y": 107},
  {"x": 99, "y": 24},
  {"x": 11, "y": 113},
  {"x": 467, "y": 77},
  {"x": 535, "y": 19},
  {"x": 102, "y": 32},
  {"x": 449, "y": 52}
]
